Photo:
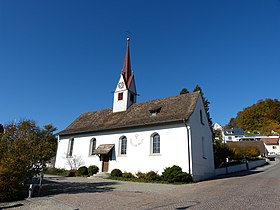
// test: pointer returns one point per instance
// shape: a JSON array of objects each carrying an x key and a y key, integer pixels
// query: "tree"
[
  {"x": 262, "y": 117},
  {"x": 184, "y": 91},
  {"x": 1, "y": 128},
  {"x": 24, "y": 150},
  {"x": 206, "y": 104},
  {"x": 221, "y": 152}
]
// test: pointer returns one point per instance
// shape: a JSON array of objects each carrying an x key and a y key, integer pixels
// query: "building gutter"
[
  {"x": 189, "y": 143},
  {"x": 90, "y": 131}
]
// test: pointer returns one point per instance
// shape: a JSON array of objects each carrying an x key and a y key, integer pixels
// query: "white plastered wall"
[
  {"x": 202, "y": 164},
  {"x": 173, "y": 149}
]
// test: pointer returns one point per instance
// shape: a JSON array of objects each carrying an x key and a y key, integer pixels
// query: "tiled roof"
[
  {"x": 234, "y": 131},
  {"x": 175, "y": 108},
  {"x": 245, "y": 144},
  {"x": 103, "y": 149},
  {"x": 270, "y": 141}
]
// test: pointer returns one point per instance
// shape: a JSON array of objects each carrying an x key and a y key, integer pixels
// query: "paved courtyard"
[{"x": 255, "y": 189}]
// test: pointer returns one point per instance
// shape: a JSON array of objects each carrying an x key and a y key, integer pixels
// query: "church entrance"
[
  {"x": 104, "y": 151},
  {"x": 105, "y": 163}
]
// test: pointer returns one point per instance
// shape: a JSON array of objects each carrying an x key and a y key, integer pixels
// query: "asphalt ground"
[{"x": 254, "y": 189}]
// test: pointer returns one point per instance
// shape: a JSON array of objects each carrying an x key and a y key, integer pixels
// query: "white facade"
[
  {"x": 273, "y": 149},
  {"x": 197, "y": 159},
  {"x": 271, "y": 144},
  {"x": 234, "y": 135},
  {"x": 141, "y": 138},
  {"x": 124, "y": 96}
]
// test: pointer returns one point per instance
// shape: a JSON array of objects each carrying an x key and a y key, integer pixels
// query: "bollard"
[{"x": 30, "y": 191}]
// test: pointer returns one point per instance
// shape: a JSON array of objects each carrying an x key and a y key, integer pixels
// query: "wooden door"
[{"x": 105, "y": 163}]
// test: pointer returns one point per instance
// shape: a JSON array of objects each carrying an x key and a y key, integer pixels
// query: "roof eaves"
[{"x": 67, "y": 133}]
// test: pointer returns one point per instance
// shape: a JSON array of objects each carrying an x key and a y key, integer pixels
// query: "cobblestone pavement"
[{"x": 256, "y": 189}]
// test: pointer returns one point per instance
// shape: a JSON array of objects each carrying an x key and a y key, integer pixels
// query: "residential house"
[
  {"x": 272, "y": 145},
  {"x": 233, "y": 134}
]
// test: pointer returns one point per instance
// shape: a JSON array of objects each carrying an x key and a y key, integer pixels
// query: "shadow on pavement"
[
  {"x": 237, "y": 174},
  {"x": 11, "y": 206},
  {"x": 54, "y": 187}
]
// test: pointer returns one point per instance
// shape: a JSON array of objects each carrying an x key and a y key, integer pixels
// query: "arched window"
[
  {"x": 155, "y": 144},
  {"x": 123, "y": 145},
  {"x": 92, "y": 146}
]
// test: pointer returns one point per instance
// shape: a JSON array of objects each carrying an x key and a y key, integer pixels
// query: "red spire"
[{"x": 126, "y": 71}]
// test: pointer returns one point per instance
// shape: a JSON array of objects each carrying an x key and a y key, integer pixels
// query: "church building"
[{"x": 144, "y": 136}]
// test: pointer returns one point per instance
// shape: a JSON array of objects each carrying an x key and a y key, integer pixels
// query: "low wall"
[
  {"x": 254, "y": 164},
  {"x": 240, "y": 167}
]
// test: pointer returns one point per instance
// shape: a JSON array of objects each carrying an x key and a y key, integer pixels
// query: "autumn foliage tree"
[
  {"x": 24, "y": 150},
  {"x": 262, "y": 117}
]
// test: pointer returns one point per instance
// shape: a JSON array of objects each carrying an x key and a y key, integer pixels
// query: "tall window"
[
  {"x": 131, "y": 97},
  {"x": 123, "y": 145},
  {"x": 203, "y": 147},
  {"x": 120, "y": 96},
  {"x": 201, "y": 118},
  {"x": 92, "y": 146},
  {"x": 70, "y": 147},
  {"x": 156, "y": 144}
]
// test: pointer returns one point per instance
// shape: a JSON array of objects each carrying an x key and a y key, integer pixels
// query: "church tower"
[{"x": 125, "y": 93}]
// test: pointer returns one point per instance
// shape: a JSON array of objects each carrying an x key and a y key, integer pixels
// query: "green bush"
[
  {"x": 116, "y": 173},
  {"x": 83, "y": 171},
  {"x": 92, "y": 170},
  {"x": 152, "y": 176},
  {"x": 141, "y": 175},
  {"x": 175, "y": 174},
  {"x": 128, "y": 175},
  {"x": 57, "y": 171}
]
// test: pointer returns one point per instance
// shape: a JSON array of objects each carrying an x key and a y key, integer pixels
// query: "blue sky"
[{"x": 61, "y": 58}]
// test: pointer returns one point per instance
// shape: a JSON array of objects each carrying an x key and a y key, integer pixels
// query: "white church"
[{"x": 142, "y": 136}]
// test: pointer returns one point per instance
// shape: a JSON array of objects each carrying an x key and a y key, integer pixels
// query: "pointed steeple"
[
  {"x": 126, "y": 71},
  {"x": 125, "y": 93}
]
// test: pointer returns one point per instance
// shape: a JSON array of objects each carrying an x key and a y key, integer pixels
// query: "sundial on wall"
[{"x": 136, "y": 141}]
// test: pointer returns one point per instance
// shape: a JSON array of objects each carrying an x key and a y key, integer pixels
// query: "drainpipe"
[{"x": 189, "y": 139}]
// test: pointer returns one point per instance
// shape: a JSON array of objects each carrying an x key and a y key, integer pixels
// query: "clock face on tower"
[{"x": 121, "y": 84}]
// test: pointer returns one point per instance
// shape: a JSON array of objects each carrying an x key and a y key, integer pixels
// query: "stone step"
[{"x": 102, "y": 175}]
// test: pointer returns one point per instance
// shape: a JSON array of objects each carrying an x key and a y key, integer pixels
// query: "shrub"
[
  {"x": 116, "y": 173},
  {"x": 92, "y": 170},
  {"x": 83, "y": 171},
  {"x": 128, "y": 175},
  {"x": 152, "y": 176},
  {"x": 247, "y": 153},
  {"x": 57, "y": 171},
  {"x": 175, "y": 174},
  {"x": 11, "y": 181},
  {"x": 221, "y": 152},
  {"x": 141, "y": 175}
]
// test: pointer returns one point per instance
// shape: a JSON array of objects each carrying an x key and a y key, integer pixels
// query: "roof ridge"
[{"x": 174, "y": 109}]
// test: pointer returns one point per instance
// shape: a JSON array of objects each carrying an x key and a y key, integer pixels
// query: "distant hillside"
[{"x": 262, "y": 117}]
